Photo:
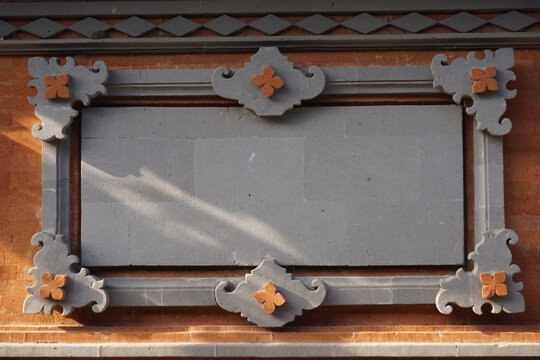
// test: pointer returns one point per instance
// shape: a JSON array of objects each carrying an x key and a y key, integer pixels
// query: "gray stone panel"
[{"x": 221, "y": 186}]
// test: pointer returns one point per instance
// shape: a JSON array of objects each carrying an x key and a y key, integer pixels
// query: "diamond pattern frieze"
[
  {"x": 179, "y": 26},
  {"x": 225, "y": 25},
  {"x": 270, "y": 24},
  {"x": 89, "y": 27},
  {"x": 134, "y": 26},
  {"x": 414, "y": 22},
  {"x": 513, "y": 21},
  {"x": 6, "y": 29},
  {"x": 317, "y": 24},
  {"x": 364, "y": 23},
  {"x": 43, "y": 28},
  {"x": 463, "y": 22}
]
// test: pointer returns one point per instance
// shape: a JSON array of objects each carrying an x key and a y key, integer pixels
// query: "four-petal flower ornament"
[
  {"x": 484, "y": 79},
  {"x": 53, "y": 286},
  {"x": 493, "y": 284},
  {"x": 269, "y": 298},
  {"x": 57, "y": 86},
  {"x": 267, "y": 81}
]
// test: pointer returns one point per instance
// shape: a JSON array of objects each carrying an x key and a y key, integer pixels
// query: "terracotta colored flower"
[
  {"x": 493, "y": 284},
  {"x": 268, "y": 81},
  {"x": 57, "y": 86},
  {"x": 269, "y": 298},
  {"x": 484, "y": 79},
  {"x": 53, "y": 287}
]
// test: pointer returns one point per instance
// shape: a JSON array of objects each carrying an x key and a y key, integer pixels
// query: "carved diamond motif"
[
  {"x": 89, "y": 27},
  {"x": 6, "y": 29},
  {"x": 179, "y": 26},
  {"x": 513, "y": 21},
  {"x": 317, "y": 24},
  {"x": 134, "y": 26},
  {"x": 225, "y": 25},
  {"x": 364, "y": 23},
  {"x": 293, "y": 297},
  {"x": 414, "y": 22},
  {"x": 43, "y": 27},
  {"x": 270, "y": 24},
  {"x": 463, "y": 22}
]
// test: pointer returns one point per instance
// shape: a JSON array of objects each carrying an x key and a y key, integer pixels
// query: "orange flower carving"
[
  {"x": 269, "y": 298},
  {"x": 53, "y": 287},
  {"x": 484, "y": 79},
  {"x": 57, "y": 86},
  {"x": 268, "y": 81},
  {"x": 493, "y": 284}
]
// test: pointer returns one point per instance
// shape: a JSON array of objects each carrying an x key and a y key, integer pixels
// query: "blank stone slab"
[{"x": 322, "y": 186}]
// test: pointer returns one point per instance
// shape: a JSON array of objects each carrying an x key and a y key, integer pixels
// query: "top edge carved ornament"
[
  {"x": 467, "y": 78},
  {"x": 269, "y": 84},
  {"x": 59, "y": 88}
]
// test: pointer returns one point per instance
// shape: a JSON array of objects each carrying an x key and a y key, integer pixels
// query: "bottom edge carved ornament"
[
  {"x": 269, "y": 297},
  {"x": 492, "y": 262},
  {"x": 57, "y": 284}
]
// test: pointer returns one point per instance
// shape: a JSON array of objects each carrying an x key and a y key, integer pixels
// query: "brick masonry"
[{"x": 20, "y": 191}]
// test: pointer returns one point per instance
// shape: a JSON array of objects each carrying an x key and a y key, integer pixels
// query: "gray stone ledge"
[
  {"x": 449, "y": 41},
  {"x": 268, "y": 350},
  {"x": 245, "y": 7}
]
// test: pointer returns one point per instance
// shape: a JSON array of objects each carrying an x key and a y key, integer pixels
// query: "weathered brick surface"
[{"x": 20, "y": 214}]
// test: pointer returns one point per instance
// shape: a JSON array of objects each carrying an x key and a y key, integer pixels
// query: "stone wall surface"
[{"x": 20, "y": 213}]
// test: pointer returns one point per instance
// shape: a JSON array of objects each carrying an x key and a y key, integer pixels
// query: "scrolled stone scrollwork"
[
  {"x": 292, "y": 295},
  {"x": 260, "y": 95},
  {"x": 70, "y": 83},
  {"x": 57, "y": 282},
  {"x": 456, "y": 79},
  {"x": 467, "y": 288}
]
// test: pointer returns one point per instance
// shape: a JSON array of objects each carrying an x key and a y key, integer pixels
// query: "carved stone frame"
[{"x": 490, "y": 254}]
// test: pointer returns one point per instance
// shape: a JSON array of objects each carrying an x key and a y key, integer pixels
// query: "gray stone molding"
[
  {"x": 248, "y": 7},
  {"x": 298, "y": 297},
  {"x": 58, "y": 113},
  {"x": 341, "y": 290},
  {"x": 491, "y": 253},
  {"x": 368, "y": 80},
  {"x": 80, "y": 289},
  {"x": 370, "y": 350},
  {"x": 166, "y": 45},
  {"x": 295, "y": 85},
  {"x": 489, "y": 106}
]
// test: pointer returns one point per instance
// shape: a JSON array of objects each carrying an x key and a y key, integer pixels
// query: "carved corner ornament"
[
  {"x": 484, "y": 81},
  {"x": 489, "y": 282},
  {"x": 57, "y": 282},
  {"x": 269, "y": 296},
  {"x": 269, "y": 85},
  {"x": 59, "y": 88}
]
